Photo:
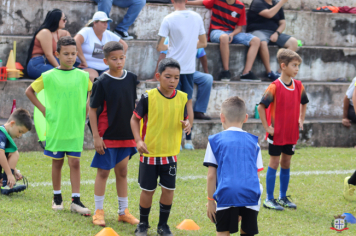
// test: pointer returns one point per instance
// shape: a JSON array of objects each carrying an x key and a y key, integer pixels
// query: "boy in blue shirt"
[{"x": 234, "y": 160}]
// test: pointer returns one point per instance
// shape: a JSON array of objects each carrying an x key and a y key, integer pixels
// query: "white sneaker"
[{"x": 80, "y": 208}]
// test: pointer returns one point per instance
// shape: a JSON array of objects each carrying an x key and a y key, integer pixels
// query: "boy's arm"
[
  {"x": 135, "y": 127},
  {"x": 237, "y": 30},
  {"x": 98, "y": 142},
  {"x": 30, "y": 93},
  {"x": 202, "y": 42},
  {"x": 345, "y": 121},
  {"x": 269, "y": 13},
  {"x": 262, "y": 112},
  {"x": 5, "y": 165},
  {"x": 160, "y": 45},
  {"x": 211, "y": 186},
  {"x": 303, "y": 109},
  {"x": 87, "y": 106},
  {"x": 195, "y": 2}
]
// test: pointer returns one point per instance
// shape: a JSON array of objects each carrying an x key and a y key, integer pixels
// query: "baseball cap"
[{"x": 100, "y": 16}]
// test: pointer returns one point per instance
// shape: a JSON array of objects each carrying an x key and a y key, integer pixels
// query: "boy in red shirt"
[
  {"x": 227, "y": 19},
  {"x": 282, "y": 112}
]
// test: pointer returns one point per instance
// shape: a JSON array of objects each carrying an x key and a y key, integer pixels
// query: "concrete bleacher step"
[
  {"x": 326, "y": 99},
  {"x": 323, "y": 29},
  {"x": 319, "y": 63},
  {"x": 316, "y": 133}
]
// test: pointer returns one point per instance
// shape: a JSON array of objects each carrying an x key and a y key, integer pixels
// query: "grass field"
[{"x": 318, "y": 196}]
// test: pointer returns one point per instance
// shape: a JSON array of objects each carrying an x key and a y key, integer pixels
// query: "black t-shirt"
[
  {"x": 3, "y": 141},
  {"x": 120, "y": 96},
  {"x": 257, "y": 22}
]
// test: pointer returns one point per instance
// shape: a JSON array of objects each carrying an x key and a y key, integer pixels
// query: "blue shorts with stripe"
[{"x": 61, "y": 155}]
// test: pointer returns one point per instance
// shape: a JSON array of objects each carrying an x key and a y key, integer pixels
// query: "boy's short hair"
[
  {"x": 65, "y": 41},
  {"x": 22, "y": 118},
  {"x": 234, "y": 109},
  {"x": 286, "y": 55},
  {"x": 112, "y": 46},
  {"x": 167, "y": 62}
]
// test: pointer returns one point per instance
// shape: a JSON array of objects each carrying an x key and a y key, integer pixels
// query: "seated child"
[
  {"x": 66, "y": 89},
  {"x": 19, "y": 123},
  {"x": 234, "y": 160},
  {"x": 164, "y": 112},
  {"x": 111, "y": 105}
]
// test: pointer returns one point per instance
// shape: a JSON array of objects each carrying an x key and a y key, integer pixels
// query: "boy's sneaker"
[
  {"x": 250, "y": 76},
  {"x": 57, "y": 202},
  {"x": 188, "y": 145},
  {"x": 225, "y": 76},
  {"x": 285, "y": 202},
  {"x": 123, "y": 35},
  {"x": 78, "y": 207},
  {"x": 272, "y": 76},
  {"x": 164, "y": 230},
  {"x": 141, "y": 229},
  {"x": 98, "y": 218},
  {"x": 349, "y": 190},
  {"x": 272, "y": 204},
  {"x": 128, "y": 218}
]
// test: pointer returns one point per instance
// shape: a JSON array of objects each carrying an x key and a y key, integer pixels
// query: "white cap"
[{"x": 100, "y": 16}]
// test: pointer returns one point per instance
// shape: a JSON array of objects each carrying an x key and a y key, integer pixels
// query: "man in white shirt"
[{"x": 349, "y": 111}]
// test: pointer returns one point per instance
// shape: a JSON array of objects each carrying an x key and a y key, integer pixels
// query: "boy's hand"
[
  {"x": 301, "y": 123},
  {"x": 83, "y": 65},
  {"x": 274, "y": 37},
  {"x": 211, "y": 211},
  {"x": 11, "y": 181},
  {"x": 142, "y": 147},
  {"x": 44, "y": 112},
  {"x": 18, "y": 175},
  {"x": 346, "y": 122},
  {"x": 99, "y": 145},
  {"x": 231, "y": 37},
  {"x": 270, "y": 130},
  {"x": 186, "y": 126}
]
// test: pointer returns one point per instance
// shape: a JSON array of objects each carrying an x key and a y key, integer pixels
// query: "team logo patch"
[
  {"x": 172, "y": 170},
  {"x": 339, "y": 224},
  {"x": 55, "y": 153},
  {"x": 2, "y": 144},
  {"x": 234, "y": 14}
]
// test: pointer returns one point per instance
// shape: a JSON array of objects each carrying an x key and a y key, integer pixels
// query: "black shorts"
[
  {"x": 227, "y": 220},
  {"x": 276, "y": 150},
  {"x": 148, "y": 175}
]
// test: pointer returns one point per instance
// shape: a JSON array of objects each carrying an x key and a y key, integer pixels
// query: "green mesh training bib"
[{"x": 65, "y": 96}]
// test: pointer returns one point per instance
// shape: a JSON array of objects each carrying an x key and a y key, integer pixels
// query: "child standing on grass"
[
  {"x": 18, "y": 124},
  {"x": 111, "y": 105},
  {"x": 66, "y": 90},
  {"x": 286, "y": 101},
  {"x": 164, "y": 112},
  {"x": 234, "y": 160}
]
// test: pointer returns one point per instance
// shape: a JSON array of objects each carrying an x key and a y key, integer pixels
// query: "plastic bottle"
[
  {"x": 13, "y": 106},
  {"x": 0, "y": 63},
  {"x": 257, "y": 116}
]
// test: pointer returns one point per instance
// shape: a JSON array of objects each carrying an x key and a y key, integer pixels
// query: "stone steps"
[
  {"x": 323, "y": 29},
  {"x": 326, "y": 99},
  {"x": 316, "y": 133},
  {"x": 320, "y": 63}
]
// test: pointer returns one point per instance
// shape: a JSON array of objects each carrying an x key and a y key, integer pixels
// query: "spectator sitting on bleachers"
[
  {"x": 349, "y": 110},
  {"x": 90, "y": 41},
  {"x": 265, "y": 19},
  {"x": 134, "y": 8},
  {"x": 40, "y": 56}
]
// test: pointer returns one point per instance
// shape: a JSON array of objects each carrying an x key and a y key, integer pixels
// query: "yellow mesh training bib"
[{"x": 164, "y": 129}]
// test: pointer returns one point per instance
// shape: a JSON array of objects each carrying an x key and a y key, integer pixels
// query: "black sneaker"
[
  {"x": 272, "y": 204},
  {"x": 225, "y": 76},
  {"x": 201, "y": 116},
  {"x": 272, "y": 76},
  {"x": 250, "y": 76},
  {"x": 123, "y": 35},
  {"x": 164, "y": 230},
  {"x": 285, "y": 202},
  {"x": 141, "y": 229}
]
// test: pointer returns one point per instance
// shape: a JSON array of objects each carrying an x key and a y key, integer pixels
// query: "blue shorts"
[
  {"x": 61, "y": 155},
  {"x": 186, "y": 84},
  {"x": 241, "y": 38},
  {"x": 111, "y": 157}
]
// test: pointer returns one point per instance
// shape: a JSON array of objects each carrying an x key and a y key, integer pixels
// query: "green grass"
[{"x": 319, "y": 198}]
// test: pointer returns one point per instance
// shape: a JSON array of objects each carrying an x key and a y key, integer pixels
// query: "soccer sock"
[
  {"x": 99, "y": 202},
  {"x": 270, "y": 182},
  {"x": 76, "y": 199},
  {"x": 57, "y": 192},
  {"x": 144, "y": 213},
  {"x": 164, "y": 211},
  {"x": 352, "y": 179},
  {"x": 75, "y": 194},
  {"x": 284, "y": 182},
  {"x": 123, "y": 204},
  {"x": 189, "y": 136},
  {"x": 4, "y": 178}
]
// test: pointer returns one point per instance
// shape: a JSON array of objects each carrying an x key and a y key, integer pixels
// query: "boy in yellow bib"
[{"x": 164, "y": 113}]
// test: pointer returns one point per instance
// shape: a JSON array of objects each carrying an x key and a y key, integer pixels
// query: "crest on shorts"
[
  {"x": 234, "y": 14},
  {"x": 172, "y": 170},
  {"x": 339, "y": 223}
]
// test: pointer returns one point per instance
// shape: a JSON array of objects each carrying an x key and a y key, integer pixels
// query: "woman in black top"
[{"x": 265, "y": 20}]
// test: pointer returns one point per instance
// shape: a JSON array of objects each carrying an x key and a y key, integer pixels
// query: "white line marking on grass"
[{"x": 193, "y": 177}]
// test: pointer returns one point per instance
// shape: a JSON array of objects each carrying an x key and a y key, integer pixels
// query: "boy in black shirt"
[{"x": 111, "y": 105}]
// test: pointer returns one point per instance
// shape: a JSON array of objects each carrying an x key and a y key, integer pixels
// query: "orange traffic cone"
[
  {"x": 188, "y": 225},
  {"x": 107, "y": 231}
]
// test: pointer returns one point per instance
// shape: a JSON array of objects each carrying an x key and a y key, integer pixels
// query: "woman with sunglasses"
[{"x": 40, "y": 57}]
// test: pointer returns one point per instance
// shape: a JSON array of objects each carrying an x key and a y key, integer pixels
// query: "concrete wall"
[
  {"x": 312, "y": 28},
  {"x": 326, "y": 99}
]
